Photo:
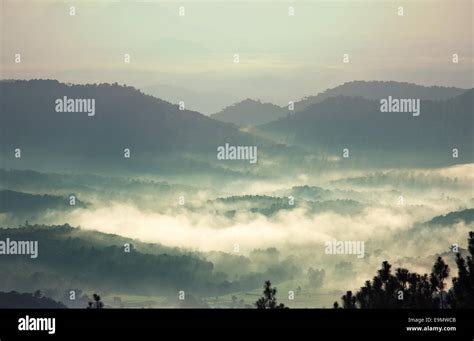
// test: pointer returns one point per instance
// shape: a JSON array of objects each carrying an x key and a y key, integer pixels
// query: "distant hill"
[
  {"x": 250, "y": 112},
  {"x": 270, "y": 205},
  {"x": 124, "y": 118},
  {"x": 71, "y": 257},
  {"x": 38, "y": 182},
  {"x": 19, "y": 202},
  {"x": 162, "y": 138},
  {"x": 446, "y": 221},
  {"x": 358, "y": 124},
  {"x": 18, "y": 300},
  {"x": 466, "y": 216},
  {"x": 97, "y": 261},
  {"x": 382, "y": 89}
]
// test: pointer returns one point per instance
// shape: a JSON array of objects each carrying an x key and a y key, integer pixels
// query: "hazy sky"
[{"x": 282, "y": 57}]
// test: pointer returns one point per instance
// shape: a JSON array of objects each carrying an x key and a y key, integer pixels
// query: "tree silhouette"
[
  {"x": 348, "y": 301},
  {"x": 269, "y": 300},
  {"x": 402, "y": 290},
  {"x": 97, "y": 304},
  {"x": 439, "y": 273},
  {"x": 411, "y": 290},
  {"x": 461, "y": 294}
]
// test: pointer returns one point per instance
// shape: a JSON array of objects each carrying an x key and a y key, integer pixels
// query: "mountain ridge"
[
  {"x": 250, "y": 112},
  {"x": 377, "y": 89},
  {"x": 358, "y": 124}
]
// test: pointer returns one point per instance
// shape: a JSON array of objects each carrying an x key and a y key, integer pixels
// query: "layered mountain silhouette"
[
  {"x": 124, "y": 118},
  {"x": 466, "y": 216},
  {"x": 382, "y": 89},
  {"x": 157, "y": 131},
  {"x": 73, "y": 257},
  {"x": 19, "y": 202},
  {"x": 358, "y": 123},
  {"x": 250, "y": 112},
  {"x": 35, "y": 300}
]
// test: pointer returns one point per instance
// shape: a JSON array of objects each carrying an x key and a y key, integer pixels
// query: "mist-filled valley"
[
  {"x": 255, "y": 164},
  {"x": 152, "y": 205},
  {"x": 142, "y": 230}
]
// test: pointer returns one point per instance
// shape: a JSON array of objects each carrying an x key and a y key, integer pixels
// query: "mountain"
[
  {"x": 37, "y": 182},
  {"x": 379, "y": 89},
  {"x": 19, "y": 202},
  {"x": 35, "y": 300},
  {"x": 358, "y": 124},
  {"x": 70, "y": 257},
  {"x": 250, "y": 112},
  {"x": 466, "y": 216},
  {"x": 124, "y": 117},
  {"x": 447, "y": 221}
]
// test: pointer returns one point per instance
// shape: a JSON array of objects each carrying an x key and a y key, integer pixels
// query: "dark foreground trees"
[
  {"x": 406, "y": 289},
  {"x": 461, "y": 295},
  {"x": 269, "y": 300},
  {"x": 97, "y": 304}
]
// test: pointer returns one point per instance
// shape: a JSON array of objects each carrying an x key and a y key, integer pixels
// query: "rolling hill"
[
  {"x": 250, "y": 112},
  {"x": 124, "y": 118},
  {"x": 358, "y": 124},
  {"x": 380, "y": 89}
]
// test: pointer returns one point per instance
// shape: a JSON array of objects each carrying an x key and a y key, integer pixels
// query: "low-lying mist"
[{"x": 390, "y": 211}]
